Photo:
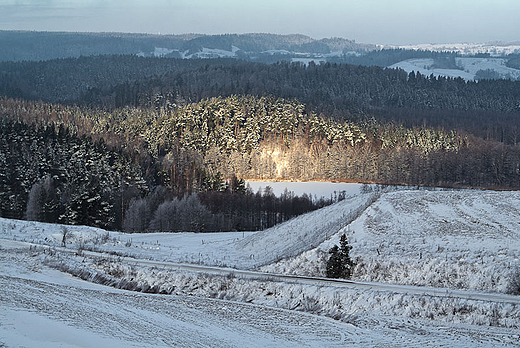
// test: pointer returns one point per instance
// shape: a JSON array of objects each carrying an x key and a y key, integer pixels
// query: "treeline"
[
  {"x": 342, "y": 92},
  {"x": 189, "y": 149},
  {"x": 48, "y": 174},
  {"x": 334, "y": 89},
  {"x": 36, "y": 46},
  {"x": 387, "y": 57},
  {"x": 232, "y": 207},
  {"x": 339, "y": 91},
  {"x": 68, "y": 79}
]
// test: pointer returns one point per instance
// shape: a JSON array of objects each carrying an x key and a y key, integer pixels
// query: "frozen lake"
[{"x": 316, "y": 188}]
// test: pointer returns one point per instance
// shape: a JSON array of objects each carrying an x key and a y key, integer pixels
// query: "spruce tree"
[
  {"x": 346, "y": 261},
  {"x": 339, "y": 264}
]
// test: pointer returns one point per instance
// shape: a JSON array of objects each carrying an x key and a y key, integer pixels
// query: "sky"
[{"x": 366, "y": 21}]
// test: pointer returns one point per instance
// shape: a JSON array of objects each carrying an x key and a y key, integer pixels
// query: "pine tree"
[
  {"x": 334, "y": 266},
  {"x": 340, "y": 265},
  {"x": 344, "y": 250}
]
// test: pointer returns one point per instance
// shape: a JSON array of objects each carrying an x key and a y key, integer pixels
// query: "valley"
[{"x": 260, "y": 180}]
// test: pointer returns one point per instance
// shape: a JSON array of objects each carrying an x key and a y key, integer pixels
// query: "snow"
[
  {"x": 466, "y": 48},
  {"x": 52, "y": 314},
  {"x": 314, "y": 188},
  {"x": 43, "y": 309},
  {"x": 465, "y": 239},
  {"x": 340, "y": 53},
  {"x": 469, "y": 66},
  {"x": 232, "y": 249},
  {"x": 31, "y": 329},
  {"x": 452, "y": 239},
  {"x": 213, "y": 53},
  {"x": 161, "y": 51},
  {"x": 273, "y": 52}
]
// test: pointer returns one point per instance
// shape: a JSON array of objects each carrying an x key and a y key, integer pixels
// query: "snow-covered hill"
[
  {"x": 496, "y": 48},
  {"x": 465, "y": 239},
  {"x": 455, "y": 239},
  {"x": 460, "y": 239},
  {"x": 42, "y": 307},
  {"x": 234, "y": 249},
  {"x": 468, "y": 67}
]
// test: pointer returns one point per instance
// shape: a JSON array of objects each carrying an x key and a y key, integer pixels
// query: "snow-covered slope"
[
  {"x": 41, "y": 307},
  {"x": 468, "y": 67},
  {"x": 455, "y": 239},
  {"x": 234, "y": 249},
  {"x": 466, "y": 48},
  {"x": 466, "y": 239},
  {"x": 304, "y": 232},
  {"x": 45, "y": 308}
]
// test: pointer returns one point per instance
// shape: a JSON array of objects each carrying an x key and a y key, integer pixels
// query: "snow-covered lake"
[{"x": 316, "y": 188}]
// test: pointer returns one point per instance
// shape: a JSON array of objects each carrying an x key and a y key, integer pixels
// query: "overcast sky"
[{"x": 366, "y": 21}]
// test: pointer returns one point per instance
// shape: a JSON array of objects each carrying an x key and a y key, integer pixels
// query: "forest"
[
  {"x": 161, "y": 144},
  {"x": 488, "y": 109}
]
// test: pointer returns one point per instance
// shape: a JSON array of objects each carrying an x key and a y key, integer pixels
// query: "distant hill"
[
  {"x": 33, "y": 46},
  {"x": 466, "y": 68},
  {"x": 495, "y": 60}
]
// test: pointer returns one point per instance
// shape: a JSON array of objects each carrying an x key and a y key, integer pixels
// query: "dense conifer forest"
[{"x": 162, "y": 144}]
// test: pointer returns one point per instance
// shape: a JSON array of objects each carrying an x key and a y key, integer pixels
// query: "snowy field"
[
  {"x": 233, "y": 249},
  {"x": 469, "y": 67},
  {"x": 451, "y": 239},
  {"x": 466, "y": 239},
  {"x": 496, "y": 49},
  {"x": 454, "y": 239},
  {"x": 45, "y": 308},
  {"x": 42, "y": 307}
]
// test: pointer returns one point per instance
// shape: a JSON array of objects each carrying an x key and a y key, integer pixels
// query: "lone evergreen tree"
[{"x": 339, "y": 264}]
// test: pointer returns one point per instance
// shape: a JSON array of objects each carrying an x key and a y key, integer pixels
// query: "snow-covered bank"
[{"x": 332, "y": 301}]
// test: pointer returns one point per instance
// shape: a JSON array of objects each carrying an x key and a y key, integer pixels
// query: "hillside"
[
  {"x": 465, "y": 239},
  {"x": 494, "y": 48},
  {"x": 466, "y": 68},
  {"x": 439, "y": 240},
  {"x": 456, "y": 239},
  {"x": 42, "y": 306},
  {"x": 234, "y": 249}
]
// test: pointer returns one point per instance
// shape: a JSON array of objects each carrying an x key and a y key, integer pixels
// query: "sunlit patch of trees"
[{"x": 155, "y": 153}]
